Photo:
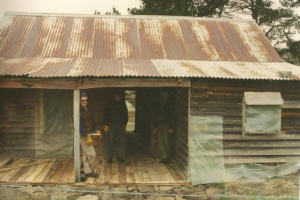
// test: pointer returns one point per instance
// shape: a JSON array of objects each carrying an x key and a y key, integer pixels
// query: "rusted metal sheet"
[
  {"x": 133, "y": 37},
  {"x": 83, "y": 67}
]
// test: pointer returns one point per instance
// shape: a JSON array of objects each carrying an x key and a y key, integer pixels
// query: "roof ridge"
[
  {"x": 139, "y": 59},
  {"x": 161, "y": 17}
]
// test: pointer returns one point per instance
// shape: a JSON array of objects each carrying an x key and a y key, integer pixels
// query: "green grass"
[{"x": 218, "y": 185}]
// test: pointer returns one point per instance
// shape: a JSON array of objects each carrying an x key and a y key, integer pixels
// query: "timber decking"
[{"x": 135, "y": 171}]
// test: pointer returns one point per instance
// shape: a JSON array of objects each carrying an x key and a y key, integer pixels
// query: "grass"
[{"x": 219, "y": 185}]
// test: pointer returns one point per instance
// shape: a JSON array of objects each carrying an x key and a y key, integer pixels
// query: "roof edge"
[{"x": 162, "y": 17}]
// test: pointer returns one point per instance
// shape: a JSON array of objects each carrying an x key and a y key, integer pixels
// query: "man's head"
[
  {"x": 117, "y": 94},
  {"x": 83, "y": 99}
]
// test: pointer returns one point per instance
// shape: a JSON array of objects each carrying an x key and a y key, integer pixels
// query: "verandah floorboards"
[
  {"x": 114, "y": 178},
  {"x": 44, "y": 172},
  {"x": 52, "y": 171},
  {"x": 107, "y": 174},
  {"x": 10, "y": 164},
  {"x": 61, "y": 171},
  {"x": 27, "y": 174},
  {"x": 137, "y": 173},
  {"x": 71, "y": 178},
  {"x": 122, "y": 173},
  {"x": 10, "y": 174},
  {"x": 129, "y": 172},
  {"x": 100, "y": 171},
  {"x": 154, "y": 177},
  {"x": 20, "y": 173},
  {"x": 58, "y": 173},
  {"x": 65, "y": 175},
  {"x": 36, "y": 172},
  {"x": 3, "y": 161}
]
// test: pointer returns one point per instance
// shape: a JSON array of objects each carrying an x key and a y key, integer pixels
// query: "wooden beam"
[
  {"x": 41, "y": 101},
  {"x": 260, "y": 159},
  {"x": 43, "y": 83},
  {"x": 279, "y": 136},
  {"x": 262, "y": 151},
  {"x": 38, "y": 83},
  {"x": 86, "y": 84},
  {"x": 260, "y": 143},
  {"x": 291, "y": 104},
  {"x": 76, "y": 135}
]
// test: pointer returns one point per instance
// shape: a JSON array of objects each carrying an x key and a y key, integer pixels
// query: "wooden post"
[
  {"x": 76, "y": 105},
  {"x": 41, "y": 101},
  {"x": 243, "y": 118},
  {"x": 189, "y": 132}
]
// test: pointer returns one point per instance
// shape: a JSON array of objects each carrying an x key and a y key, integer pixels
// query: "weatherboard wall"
[{"x": 214, "y": 97}]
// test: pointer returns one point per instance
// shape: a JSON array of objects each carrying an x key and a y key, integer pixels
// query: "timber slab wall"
[
  {"x": 19, "y": 123},
  {"x": 216, "y": 97}
]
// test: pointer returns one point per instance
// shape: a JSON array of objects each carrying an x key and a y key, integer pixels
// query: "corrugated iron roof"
[
  {"x": 133, "y": 37},
  {"x": 82, "y": 67}
]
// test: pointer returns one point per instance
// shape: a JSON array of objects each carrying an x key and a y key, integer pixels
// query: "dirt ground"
[{"x": 279, "y": 189}]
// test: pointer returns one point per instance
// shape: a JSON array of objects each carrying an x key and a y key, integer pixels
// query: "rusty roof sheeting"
[
  {"x": 149, "y": 37},
  {"x": 85, "y": 67}
]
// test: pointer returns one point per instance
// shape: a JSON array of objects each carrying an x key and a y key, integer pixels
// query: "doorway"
[{"x": 142, "y": 152}]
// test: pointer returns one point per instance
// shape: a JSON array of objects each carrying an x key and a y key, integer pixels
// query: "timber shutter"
[{"x": 262, "y": 112}]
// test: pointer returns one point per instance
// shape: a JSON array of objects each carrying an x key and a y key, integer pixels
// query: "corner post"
[
  {"x": 76, "y": 135},
  {"x": 189, "y": 131}
]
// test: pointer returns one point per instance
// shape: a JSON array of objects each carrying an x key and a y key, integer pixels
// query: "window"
[{"x": 261, "y": 112}]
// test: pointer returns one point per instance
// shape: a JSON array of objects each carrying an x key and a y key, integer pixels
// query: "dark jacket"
[
  {"x": 164, "y": 114},
  {"x": 87, "y": 122},
  {"x": 116, "y": 113}
]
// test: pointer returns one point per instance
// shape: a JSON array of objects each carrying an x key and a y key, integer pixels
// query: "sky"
[
  {"x": 66, "y": 6},
  {"x": 71, "y": 6}
]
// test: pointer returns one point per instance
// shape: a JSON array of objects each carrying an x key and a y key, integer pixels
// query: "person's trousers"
[
  {"x": 164, "y": 140},
  {"x": 115, "y": 139},
  {"x": 89, "y": 156}
]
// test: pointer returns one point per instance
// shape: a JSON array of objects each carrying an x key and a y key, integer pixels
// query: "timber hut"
[{"x": 236, "y": 102}]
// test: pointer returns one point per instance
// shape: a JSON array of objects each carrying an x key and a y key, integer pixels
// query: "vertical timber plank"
[
  {"x": 243, "y": 118},
  {"x": 189, "y": 133},
  {"x": 41, "y": 101},
  {"x": 76, "y": 135}
]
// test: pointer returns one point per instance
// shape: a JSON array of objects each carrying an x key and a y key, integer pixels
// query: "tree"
[
  {"x": 114, "y": 11},
  {"x": 291, "y": 54},
  {"x": 197, "y": 8},
  {"x": 130, "y": 96},
  {"x": 279, "y": 24}
]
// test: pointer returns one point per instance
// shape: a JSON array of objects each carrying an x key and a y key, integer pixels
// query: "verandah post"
[{"x": 76, "y": 135}]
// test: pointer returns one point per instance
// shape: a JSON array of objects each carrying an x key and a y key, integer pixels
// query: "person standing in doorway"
[
  {"x": 116, "y": 119},
  {"x": 164, "y": 126},
  {"x": 87, "y": 126}
]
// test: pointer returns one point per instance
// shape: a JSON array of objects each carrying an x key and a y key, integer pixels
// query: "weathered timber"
[
  {"x": 181, "y": 135},
  {"x": 24, "y": 165},
  {"x": 260, "y": 143},
  {"x": 281, "y": 136},
  {"x": 132, "y": 83},
  {"x": 262, "y": 151},
  {"x": 76, "y": 135},
  {"x": 214, "y": 97},
  {"x": 260, "y": 159},
  {"x": 37, "y": 83}
]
